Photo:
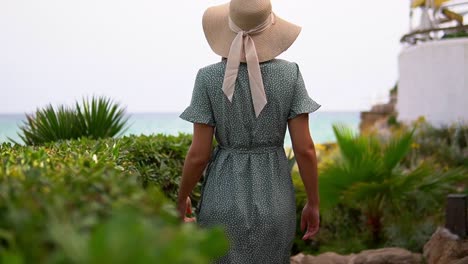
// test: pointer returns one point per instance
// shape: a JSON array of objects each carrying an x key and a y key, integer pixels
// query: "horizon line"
[{"x": 175, "y": 112}]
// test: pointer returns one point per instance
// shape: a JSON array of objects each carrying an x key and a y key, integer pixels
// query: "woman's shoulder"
[
  {"x": 212, "y": 73},
  {"x": 282, "y": 65},
  {"x": 214, "y": 67},
  {"x": 282, "y": 62}
]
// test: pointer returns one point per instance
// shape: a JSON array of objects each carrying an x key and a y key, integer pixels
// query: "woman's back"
[
  {"x": 236, "y": 123},
  {"x": 247, "y": 187}
]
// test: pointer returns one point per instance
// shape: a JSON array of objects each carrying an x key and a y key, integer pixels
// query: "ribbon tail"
[
  {"x": 257, "y": 88},
  {"x": 232, "y": 66}
]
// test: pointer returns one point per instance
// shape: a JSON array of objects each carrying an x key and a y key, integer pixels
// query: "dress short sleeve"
[
  {"x": 199, "y": 110},
  {"x": 301, "y": 102}
]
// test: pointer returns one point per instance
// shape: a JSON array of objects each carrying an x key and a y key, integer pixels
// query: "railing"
[
  {"x": 452, "y": 10},
  {"x": 438, "y": 20},
  {"x": 425, "y": 34}
]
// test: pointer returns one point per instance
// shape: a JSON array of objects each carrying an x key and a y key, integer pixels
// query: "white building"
[
  {"x": 433, "y": 71},
  {"x": 434, "y": 81}
]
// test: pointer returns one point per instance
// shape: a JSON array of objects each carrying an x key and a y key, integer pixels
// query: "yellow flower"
[{"x": 320, "y": 147}]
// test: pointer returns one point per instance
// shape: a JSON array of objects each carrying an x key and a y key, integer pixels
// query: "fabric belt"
[
  {"x": 251, "y": 150},
  {"x": 215, "y": 154}
]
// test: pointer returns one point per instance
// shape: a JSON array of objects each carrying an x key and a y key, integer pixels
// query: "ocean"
[{"x": 170, "y": 124}]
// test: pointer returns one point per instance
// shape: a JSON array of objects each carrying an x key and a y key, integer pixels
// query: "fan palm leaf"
[
  {"x": 395, "y": 151},
  {"x": 368, "y": 176}
]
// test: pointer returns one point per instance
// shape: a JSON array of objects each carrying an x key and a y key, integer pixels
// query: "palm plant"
[
  {"x": 49, "y": 124},
  {"x": 95, "y": 118},
  {"x": 368, "y": 177},
  {"x": 100, "y": 118}
]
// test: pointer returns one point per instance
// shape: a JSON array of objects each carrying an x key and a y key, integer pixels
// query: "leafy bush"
[
  {"x": 98, "y": 118},
  {"x": 446, "y": 145},
  {"x": 369, "y": 178},
  {"x": 158, "y": 160},
  {"x": 413, "y": 226},
  {"x": 415, "y": 193},
  {"x": 341, "y": 228},
  {"x": 82, "y": 201}
]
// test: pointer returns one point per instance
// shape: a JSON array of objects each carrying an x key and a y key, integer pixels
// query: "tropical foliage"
[
  {"x": 85, "y": 200},
  {"x": 446, "y": 146},
  {"x": 369, "y": 180},
  {"x": 82, "y": 201},
  {"x": 94, "y": 118}
]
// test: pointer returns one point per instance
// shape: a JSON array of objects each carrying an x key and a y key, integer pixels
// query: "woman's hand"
[
  {"x": 310, "y": 220},
  {"x": 184, "y": 208}
]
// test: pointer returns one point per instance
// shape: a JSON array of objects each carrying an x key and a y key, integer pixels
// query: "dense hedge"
[
  {"x": 82, "y": 201},
  {"x": 86, "y": 201},
  {"x": 156, "y": 159}
]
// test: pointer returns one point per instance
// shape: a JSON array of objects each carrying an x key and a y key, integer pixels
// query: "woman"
[{"x": 246, "y": 101}]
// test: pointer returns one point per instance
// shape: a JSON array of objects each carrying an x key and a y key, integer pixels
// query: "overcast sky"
[{"x": 145, "y": 54}]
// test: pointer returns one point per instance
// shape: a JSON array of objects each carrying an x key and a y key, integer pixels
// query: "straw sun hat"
[{"x": 248, "y": 14}]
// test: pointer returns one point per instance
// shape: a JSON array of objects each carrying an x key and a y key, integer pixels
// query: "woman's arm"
[
  {"x": 196, "y": 160},
  {"x": 304, "y": 151}
]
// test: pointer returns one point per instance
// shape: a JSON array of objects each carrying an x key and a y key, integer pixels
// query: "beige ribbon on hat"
[{"x": 244, "y": 44}]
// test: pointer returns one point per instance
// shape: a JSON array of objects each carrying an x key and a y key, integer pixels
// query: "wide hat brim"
[{"x": 269, "y": 44}]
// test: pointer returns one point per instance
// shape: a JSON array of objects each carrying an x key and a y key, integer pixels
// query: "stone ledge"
[{"x": 374, "y": 256}]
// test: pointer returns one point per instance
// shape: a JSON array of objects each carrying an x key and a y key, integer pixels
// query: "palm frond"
[
  {"x": 48, "y": 124},
  {"x": 100, "y": 117},
  {"x": 362, "y": 191},
  {"x": 95, "y": 118},
  {"x": 332, "y": 180},
  {"x": 396, "y": 150},
  {"x": 351, "y": 146}
]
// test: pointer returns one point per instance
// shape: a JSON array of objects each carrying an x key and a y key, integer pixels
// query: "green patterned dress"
[{"x": 247, "y": 186}]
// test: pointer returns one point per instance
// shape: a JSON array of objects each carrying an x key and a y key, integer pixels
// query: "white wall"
[{"x": 434, "y": 82}]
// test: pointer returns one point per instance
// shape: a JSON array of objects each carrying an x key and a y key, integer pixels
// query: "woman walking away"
[{"x": 247, "y": 100}]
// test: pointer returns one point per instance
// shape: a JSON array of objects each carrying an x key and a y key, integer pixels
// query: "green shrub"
[
  {"x": 369, "y": 178},
  {"x": 412, "y": 227},
  {"x": 446, "y": 145},
  {"x": 158, "y": 160},
  {"x": 341, "y": 227},
  {"x": 415, "y": 188},
  {"x": 82, "y": 201},
  {"x": 95, "y": 118},
  {"x": 343, "y": 230}
]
